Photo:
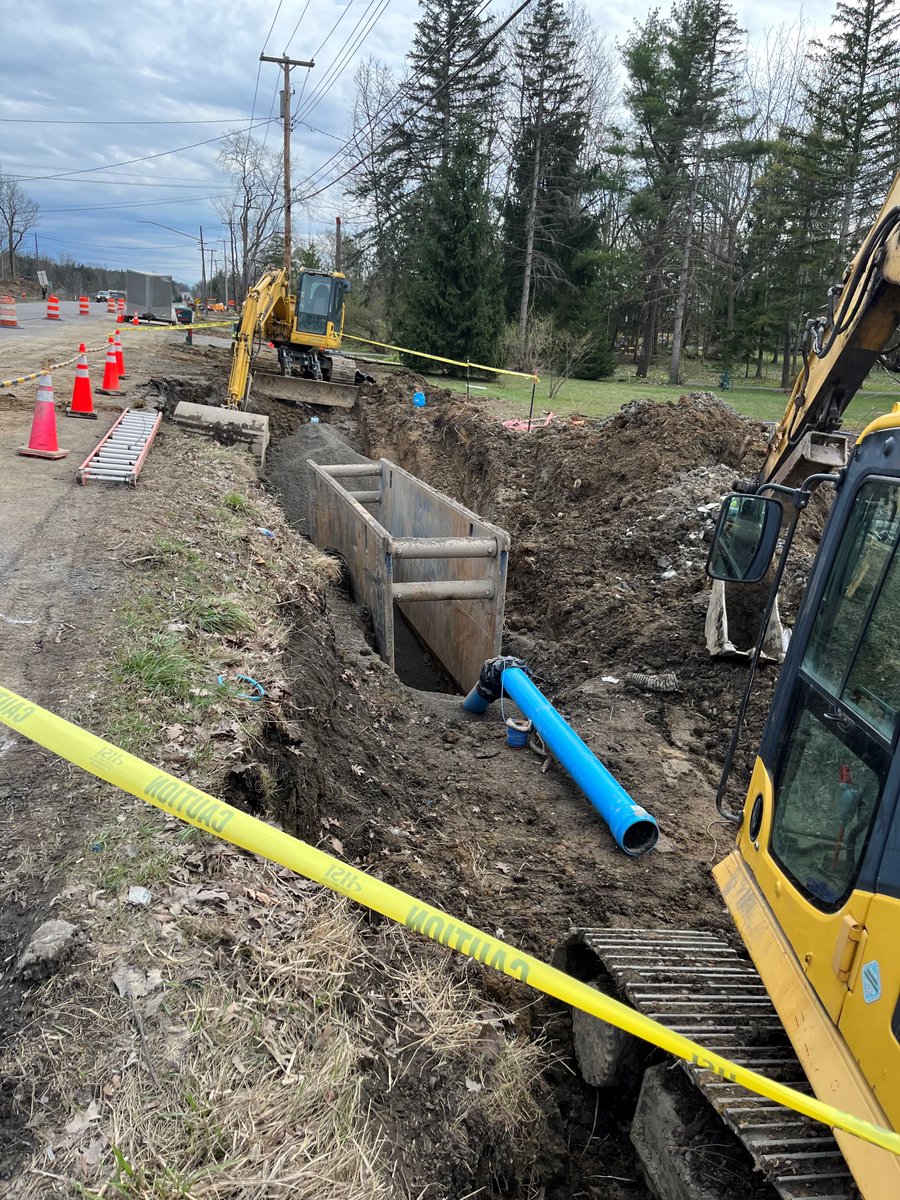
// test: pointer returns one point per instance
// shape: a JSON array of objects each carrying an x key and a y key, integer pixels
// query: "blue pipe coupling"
[{"x": 633, "y": 828}]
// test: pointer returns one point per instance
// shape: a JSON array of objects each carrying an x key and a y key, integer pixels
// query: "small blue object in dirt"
[
  {"x": 419, "y": 399},
  {"x": 313, "y": 420},
  {"x": 265, "y": 532},
  {"x": 257, "y": 694}
]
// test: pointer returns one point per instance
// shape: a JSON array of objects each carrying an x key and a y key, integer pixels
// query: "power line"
[
  {"x": 56, "y": 121},
  {"x": 271, "y": 27},
  {"x": 131, "y": 204},
  {"x": 341, "y": 16},
  {"x": 294, "y": 30},
  {"x": 398, "y": 96},
  {"x": 334, "y": 71},
  {"x": 120, "y": 183},
  {"x": 390, "y": 103},
  {"x": 127, "y": 162}
]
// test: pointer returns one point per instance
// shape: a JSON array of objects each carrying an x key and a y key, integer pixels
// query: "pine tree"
[
  {"x": 450, "y": 299},
  {"x": 852, "y": 105},
  {"x": 679, "y": 73},
  {"x": 545, "y": 225},
  {"x": 407, "y": 135},
  {"x": 444, "y": 88}
]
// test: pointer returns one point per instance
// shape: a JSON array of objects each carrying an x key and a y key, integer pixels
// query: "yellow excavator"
[
  {"x": 838, "y": 352},
  {"x": 305, "y": 331},
  {"x": 813, "y": 885}
]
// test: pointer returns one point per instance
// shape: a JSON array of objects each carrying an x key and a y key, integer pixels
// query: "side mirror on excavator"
[{"x": 745, "y": 538}]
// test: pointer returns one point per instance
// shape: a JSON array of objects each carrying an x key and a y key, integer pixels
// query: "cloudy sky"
[{"x": 109, "y": 113}]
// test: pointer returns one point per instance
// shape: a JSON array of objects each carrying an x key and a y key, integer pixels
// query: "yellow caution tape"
[
  {"x": 437, "y": 358},
  {"x": 45, "y": 370},
  {"x": 177, "y": 328},
  {"x": 180, "y": 799},
  {"x": 97, "y": 349}
]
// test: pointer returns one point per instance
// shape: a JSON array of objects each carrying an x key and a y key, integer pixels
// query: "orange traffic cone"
[
  {"x": 120, "y": 361},
  {"x": 43, "y": 443},
  {"x": 110, "y": 373},
  {"x": 120, "y": 319},
  {"x": 135, "y": 320},
  {"x": 82, "y": 398}
]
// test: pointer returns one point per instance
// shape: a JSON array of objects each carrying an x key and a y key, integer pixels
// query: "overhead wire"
[
  {"x": 347, "y": 51},
  {"x": 67, "y": 121},
  {"x": 258, "y": 71},
  {"x": 390, "y": 103},
  {"x": 132, "y": 204},
  {"x": 398, "y": 96},
  {"x": 142, "y": 158},
  {"x": 296, "y": 27},
  {"x": 341, "y": 16}
]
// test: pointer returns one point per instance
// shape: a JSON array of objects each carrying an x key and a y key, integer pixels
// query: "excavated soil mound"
[{"x": 610, "y": 522}]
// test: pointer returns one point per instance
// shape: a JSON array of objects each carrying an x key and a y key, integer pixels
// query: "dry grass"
[
  {"x": 273, "y": 1011},
  {"x": 241, "y": 1075}
]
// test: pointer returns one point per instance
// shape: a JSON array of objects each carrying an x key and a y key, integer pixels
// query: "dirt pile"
[
  {"x": 610, "y": 519},
  {"x": 611, "y": 522}
]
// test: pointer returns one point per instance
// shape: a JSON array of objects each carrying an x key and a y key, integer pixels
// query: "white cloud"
[{"x": 168, "y": 60}]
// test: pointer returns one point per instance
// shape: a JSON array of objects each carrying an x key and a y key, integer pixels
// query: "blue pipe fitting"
[
  {"x": 633, "y": 828},
  {"x": 489, "y": 687}
]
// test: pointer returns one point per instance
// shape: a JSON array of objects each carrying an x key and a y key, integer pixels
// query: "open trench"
[{"x": 389, "y": 768}]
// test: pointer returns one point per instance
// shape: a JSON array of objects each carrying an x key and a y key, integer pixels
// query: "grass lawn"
[{"x": 767, "y": 403}]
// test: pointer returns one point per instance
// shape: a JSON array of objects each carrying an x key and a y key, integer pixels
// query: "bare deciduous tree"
[
  {"x": 18, "y": 214},
  {"x": 253, "y": 208}
]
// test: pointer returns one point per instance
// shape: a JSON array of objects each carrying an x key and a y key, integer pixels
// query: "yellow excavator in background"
[
  {"x": 306, "y": 333},
  {"x": 813, "y": 885}
]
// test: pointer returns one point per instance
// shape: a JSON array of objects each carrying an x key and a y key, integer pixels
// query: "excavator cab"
[{"x": 320, "y": 307}]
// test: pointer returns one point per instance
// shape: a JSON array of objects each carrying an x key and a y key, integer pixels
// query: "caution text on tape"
[{"x": 199, "y": 808}]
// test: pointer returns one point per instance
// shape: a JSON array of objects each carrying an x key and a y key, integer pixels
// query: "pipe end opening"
[{"x": 640, "y": 837}]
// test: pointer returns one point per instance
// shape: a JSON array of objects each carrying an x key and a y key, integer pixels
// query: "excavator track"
[{"x": 699, "y": 986}]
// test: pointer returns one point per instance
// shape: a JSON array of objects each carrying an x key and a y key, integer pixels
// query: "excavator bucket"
[
  {"x": 733, "y": 620},
  {"x": 294, "y": 390}
]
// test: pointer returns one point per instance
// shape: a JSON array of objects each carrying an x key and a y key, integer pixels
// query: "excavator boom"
[{"x": 838, "y": 352}]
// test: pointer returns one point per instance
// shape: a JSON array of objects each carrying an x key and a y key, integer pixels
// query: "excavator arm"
[
  {"x": 838, "y": 352},
  {"x": 261, "y": 300}
]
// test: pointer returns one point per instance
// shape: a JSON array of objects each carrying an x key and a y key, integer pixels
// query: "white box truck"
[{"x": 152, "y": 297}]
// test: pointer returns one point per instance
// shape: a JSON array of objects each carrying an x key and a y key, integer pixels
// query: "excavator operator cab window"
[
  {"x": 320, "y": 300},
  {"x": 836, "y": 748}
]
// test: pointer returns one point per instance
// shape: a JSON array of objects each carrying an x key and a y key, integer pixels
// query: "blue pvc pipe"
[
  {"x": 634, "y": 829},
  {"x": 475, "y": 702}
]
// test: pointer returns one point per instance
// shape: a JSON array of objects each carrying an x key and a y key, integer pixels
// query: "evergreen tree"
[
  {"x": 546, "y": 227},
  {"x": 679, "y": 75},
  {"x": 443, "y": 94},
  {"x": 445, "y": 90},
  {"x": 450, "y": 299},
  {"x": 852, "y": 106}
]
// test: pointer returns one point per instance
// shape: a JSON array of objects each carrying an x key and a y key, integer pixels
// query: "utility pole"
[
  {"x": 337, "y": 244},
  {"x": 286, "y": 64},
  {"x": 202, "y": 272}
]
